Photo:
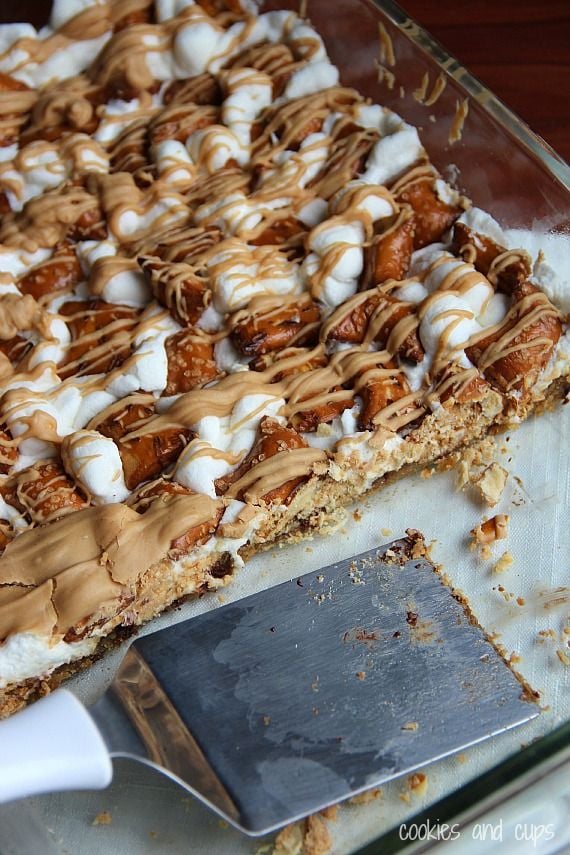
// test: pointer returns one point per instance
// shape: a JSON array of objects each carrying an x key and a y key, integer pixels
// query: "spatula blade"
[{"x": 314, "y": 690}]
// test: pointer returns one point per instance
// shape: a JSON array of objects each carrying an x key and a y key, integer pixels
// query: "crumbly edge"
[{"x": 314, "y": 510}]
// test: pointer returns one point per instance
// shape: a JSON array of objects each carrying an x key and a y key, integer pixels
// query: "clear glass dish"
[{"x": 509, "y": 171}]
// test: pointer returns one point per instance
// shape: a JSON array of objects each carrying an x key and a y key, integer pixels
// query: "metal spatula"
[{"x": 287, "y": 701}]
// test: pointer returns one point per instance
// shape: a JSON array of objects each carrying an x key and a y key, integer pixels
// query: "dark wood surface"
[{"x": 519, "y": 48}]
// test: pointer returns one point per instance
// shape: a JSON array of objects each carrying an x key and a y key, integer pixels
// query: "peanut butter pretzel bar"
[{"x": 234, "y": 296}]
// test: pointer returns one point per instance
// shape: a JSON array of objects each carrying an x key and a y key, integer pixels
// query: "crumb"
[
  {"x": 309, "y": 549},
  {"x": 404, "y": 796},
  {"x": 154, "y": 834},
  {"x": 266, "y": 720},
  {"x": 563, "y": 656},
  {"x": 366, "y": 797},
  {"x": 514, "y": 658},
  {"x": 221, "y": 598},
  {"x": 491, "y": 483},
  {"x": 491, "y": 530},
  {"x": 555, "y": 597},
  {"x": 385, "y": 532},
  {"x": 317, "y": 839},
  {"x": 432, "y": 118},
  {"x": 361, "y": 675},
  {"x": 410, "y": 725},
  {"x": 289, "y": 841},
  {"x": 426, "y": 472},
  {"x": 222, "y": 823},
  {"x": 418, "y": 783},
  {"x": 384, "y": 75},
  {"x": 411, "y": 618},
  {"x": 504, "y": 562},
  {"x": 320, "y": 578},
  {"x": 521, "y": 601},
  {"x": 456, "y": 129},
  {"x": 386, "y": 47},
  {"x": 547, "y": 633},
  {"x": 461, "y": 758},
  {"x": 330, "y": 812},
  {"x": 486, "y": 552},
  {"x": 103, "y": 818},
  {"x": 471, "y": 462},
  {"x": 323, "y": 429},
  {"x": 357, "y": 516}
]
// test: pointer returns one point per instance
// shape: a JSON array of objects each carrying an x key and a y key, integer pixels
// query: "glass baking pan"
[{"x": 507, "y": 170}]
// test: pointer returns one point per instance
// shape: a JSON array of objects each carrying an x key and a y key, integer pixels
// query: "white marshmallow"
[
  {"x": 392, "y": 155},
  {"x": 311, "y": 78},
  {"x": 250, "y": 91},
  {"x": 167, "y": 9},
  {"x": 95, "y": 463}
]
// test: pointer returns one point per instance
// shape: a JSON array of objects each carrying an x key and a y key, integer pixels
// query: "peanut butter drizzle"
[
  {"x": 420, "y": 94},
  {"x": 461, "y": 113},
  {"x": 286, "y": 121},
  {"x": 52, "y": 492},
  {"x": 268, "y": 475},
  {"x": 45, "y": 220},
  {"x": 504, "y": 260},
  {"x": 462, "y": 277},
  {"x": 458, "y": 380},
  {"x": 528, "y": 311},
  {"x": 105, "y": 268},
  {"x": 17, "y": 313},
  {"x": 116, "y": 544},
  {"x": 118, "y": 409},
  {"x": 267, "y": 305},
  {"x": 87, "y": 24},
  {"x": 379, "y": 317},
  {"x": 423, "y": 171},
  {"x": 438, "y": 87},
  {"x": 6, "y": 367},
  {"x": 119, "y": 195},
  {"x": 39, "y": 425},
  {"x": 112, "y": 545},
  {"x": 201, "y": 448},
  {"x": 15, "y": 106},
  {"x": 67, "y": 101},
  {"x": 28, "y": 610}
]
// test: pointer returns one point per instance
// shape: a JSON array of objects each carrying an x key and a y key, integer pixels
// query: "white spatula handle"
[{"x": 50, "y": 746}]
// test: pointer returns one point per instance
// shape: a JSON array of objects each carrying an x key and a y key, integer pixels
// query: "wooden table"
[{"x": 519, "y": 48}]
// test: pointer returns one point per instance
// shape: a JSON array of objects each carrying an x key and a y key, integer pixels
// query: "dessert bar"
[{"x": 235, "y": 295}]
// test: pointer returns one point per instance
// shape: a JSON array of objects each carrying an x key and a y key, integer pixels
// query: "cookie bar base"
[{"x": 314, "y": 509}]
